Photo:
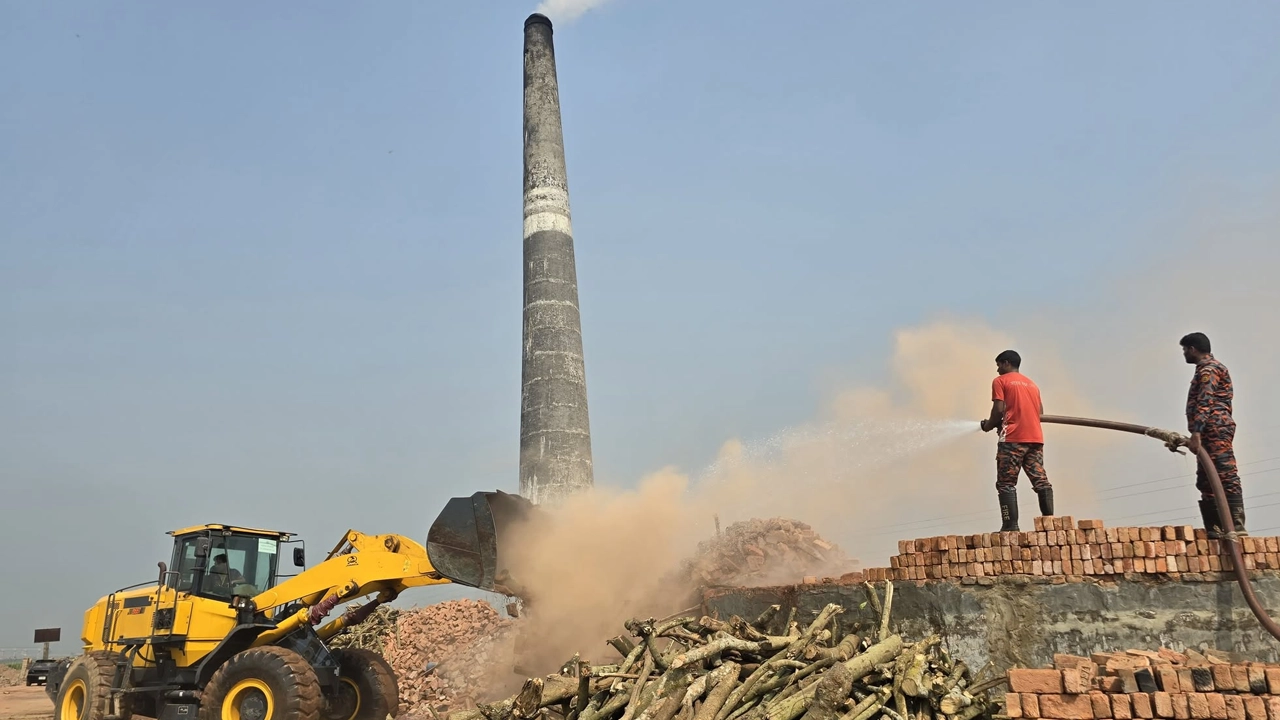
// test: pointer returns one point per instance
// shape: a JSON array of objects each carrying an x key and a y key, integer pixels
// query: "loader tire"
[
  {"x": 264, "y": 683},
  {"x": 85, "y": 693},
  {"x": 367, "y": 688}
]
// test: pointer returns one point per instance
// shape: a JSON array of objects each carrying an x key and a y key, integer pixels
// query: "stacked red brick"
[
  {"x": 1140, "y": 685},
  {"x": 1059, "y": 546}
]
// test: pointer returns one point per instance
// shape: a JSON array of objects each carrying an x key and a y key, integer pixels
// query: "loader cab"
[{"x": 219, "y": 561}]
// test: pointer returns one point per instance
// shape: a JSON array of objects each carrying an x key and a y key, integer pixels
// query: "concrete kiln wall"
[{"x": 1016, "y": 621}]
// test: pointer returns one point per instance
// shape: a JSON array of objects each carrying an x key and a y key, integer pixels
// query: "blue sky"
[{"x": 265, "y": 261}]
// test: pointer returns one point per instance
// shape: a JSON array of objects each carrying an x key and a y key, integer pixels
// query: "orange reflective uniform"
[{"x": 1021, "y": 408}]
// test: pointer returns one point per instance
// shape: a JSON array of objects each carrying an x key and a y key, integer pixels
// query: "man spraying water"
[{"x": 1015, "y": 411}]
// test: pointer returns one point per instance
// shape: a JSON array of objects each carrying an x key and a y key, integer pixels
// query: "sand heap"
[
  {"x": 765, "y": 552},
  {"x": 470, "y": 642},
  {"x": 10, "y": 676}
]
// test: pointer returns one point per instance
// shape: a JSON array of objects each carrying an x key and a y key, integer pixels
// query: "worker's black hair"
[
  {"x": 1011, "y": 357},
  {"x": 220, "y": 557},
  {"x": 1196, "y": 341}
]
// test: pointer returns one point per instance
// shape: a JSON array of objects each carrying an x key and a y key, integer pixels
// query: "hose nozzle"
[{"x": 1172, "y": 440}]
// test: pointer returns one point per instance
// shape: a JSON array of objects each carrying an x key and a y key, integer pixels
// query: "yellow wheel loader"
[{"x": 225, "y": 633}]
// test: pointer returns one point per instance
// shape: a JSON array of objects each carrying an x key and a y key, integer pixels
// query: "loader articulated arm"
[
  {"x": 462, "y": 547},
  {"x": 358, "y": 566}
]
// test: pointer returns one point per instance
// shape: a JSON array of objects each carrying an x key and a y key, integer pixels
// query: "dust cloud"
[
  {"x": 904, "y": 458},
  {"x": 600, "y": 558},
  {"x": 877, "y": 456}
]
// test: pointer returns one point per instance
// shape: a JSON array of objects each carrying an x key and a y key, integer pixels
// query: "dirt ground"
[{"x": 28, "y": 703}]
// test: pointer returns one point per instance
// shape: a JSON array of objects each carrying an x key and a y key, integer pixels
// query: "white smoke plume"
[{"x": 567, "y": 10}]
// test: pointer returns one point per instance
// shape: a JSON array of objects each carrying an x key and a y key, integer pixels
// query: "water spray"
[{"x": 1175, "y": 442}]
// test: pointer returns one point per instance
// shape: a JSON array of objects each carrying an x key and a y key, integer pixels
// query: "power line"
[
  {"x": 1193, "y": 517},
  {"x": 1175, "y": 477},
  {"x": 1148, "y": 492},
  {"x": 941, "y": 521},
  {"x": 925, "y": 520}
]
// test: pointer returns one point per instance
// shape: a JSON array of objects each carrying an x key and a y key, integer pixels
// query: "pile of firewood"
[
  {"x": 704, "y": 668},
  {"x": 371, "y": 634}
]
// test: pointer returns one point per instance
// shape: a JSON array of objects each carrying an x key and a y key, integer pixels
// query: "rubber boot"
[
  {"x": 1008, "y": 509},
  {"x": 1209, "y": 514},
  {"x": 1046, "y": 500},
  {"x": 1236, "y": 504}
]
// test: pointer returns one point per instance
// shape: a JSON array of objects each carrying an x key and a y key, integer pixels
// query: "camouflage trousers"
[
  {"x": 1014, "y": 457},
  {"x": 1216, "y": 440}
]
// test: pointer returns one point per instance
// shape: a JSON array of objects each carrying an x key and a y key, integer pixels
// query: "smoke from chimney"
[{"x": 567, "y": 10}]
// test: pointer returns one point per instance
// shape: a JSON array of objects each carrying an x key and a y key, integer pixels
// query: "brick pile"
[
  {"x": 1060, "y": 547},
  {"x": 1140, "y": 685},
  {"x": 470, "y": 642},
  {"x": 762, "y": 551}
]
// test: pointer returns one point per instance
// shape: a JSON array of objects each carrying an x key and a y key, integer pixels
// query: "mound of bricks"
[
  {"x": 756, "y": 550},
  {"x": 1139, "y": 684},
  {"x": 468, "y": 639},
  {"x": 1060, "y": 547}
]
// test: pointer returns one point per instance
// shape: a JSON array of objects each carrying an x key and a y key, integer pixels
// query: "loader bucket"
[{"x": 463, "y": 543}]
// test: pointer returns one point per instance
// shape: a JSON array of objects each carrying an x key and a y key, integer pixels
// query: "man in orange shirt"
[{"x": 1015, "y": 410}]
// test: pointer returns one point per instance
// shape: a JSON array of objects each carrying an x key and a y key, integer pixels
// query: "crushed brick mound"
[
  {"x": 765, "y": 552},
  {"x": 10, "y": 676},
  {"x": 1138, "y": 684},
  {"x": 469, "y": 641}
]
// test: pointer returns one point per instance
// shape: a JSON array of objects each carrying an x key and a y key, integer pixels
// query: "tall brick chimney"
[{"x": 555, "y": 434}]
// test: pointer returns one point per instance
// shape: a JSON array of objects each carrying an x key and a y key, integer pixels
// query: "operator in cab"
[{"x": 222, "y": 575}]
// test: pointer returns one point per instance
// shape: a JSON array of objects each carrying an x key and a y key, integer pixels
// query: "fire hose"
[{"x": 1175, "y": 442}]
